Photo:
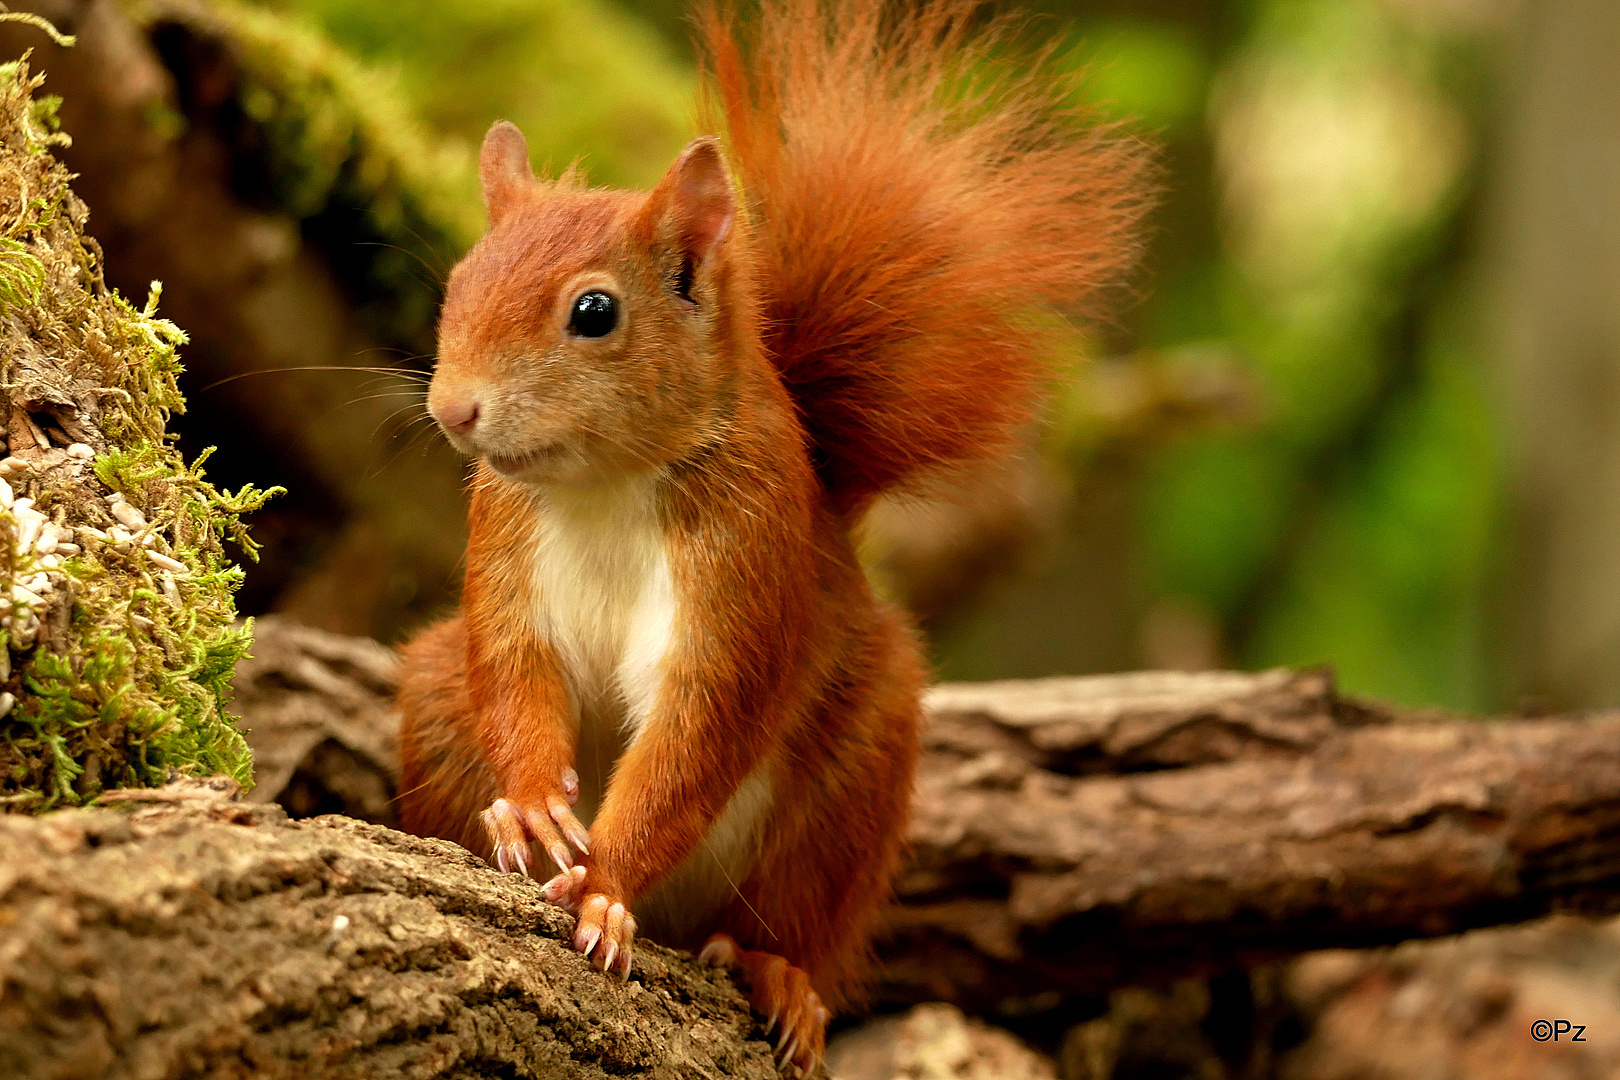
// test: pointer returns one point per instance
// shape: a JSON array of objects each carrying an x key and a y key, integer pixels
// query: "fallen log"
[
  {"x": 198, "y": 936},
  {"x": 316, "y": 707},
  {"x": 1071, "y": 836},
  {"x": 1074, "y": 835}
]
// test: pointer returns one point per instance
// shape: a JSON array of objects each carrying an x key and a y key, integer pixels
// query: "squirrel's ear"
[
  {"x": 503, "y": 166},
  {"x": 695, "y": 200}
]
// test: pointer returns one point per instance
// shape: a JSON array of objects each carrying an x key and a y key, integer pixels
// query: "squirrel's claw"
[
  {"x": 504, "y": 825},
  {"x": 559, "y": 816},
  {"x": 719, "y": 951},
  {"x": 511, "y": 860},
  {"x": 804, "y": 1027},
  {"x": 566, "y": 889},
  {"x": 512, "y": 826},
  {"x": 782, "y": 994},
  {"x": 604, "y": 934}
]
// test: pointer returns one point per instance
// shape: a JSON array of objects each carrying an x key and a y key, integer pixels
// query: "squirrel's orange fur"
[
  {"x": 914, "y": 209},
  {"x": 664, "y": 622}
]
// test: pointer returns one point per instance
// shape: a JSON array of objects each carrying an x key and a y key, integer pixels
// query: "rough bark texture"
[
  {"x": 934, "y": 1042},
  {"x": 1075, "y": 835},
  {"x": 316, "y": 706},
  {"x": 1463, "y": 1008},
  {"x": 1072, "y": 835},
  {"x": 202, "y": 937}
]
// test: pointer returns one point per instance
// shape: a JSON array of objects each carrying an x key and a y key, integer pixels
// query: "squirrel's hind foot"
[{"x": 779, "y": 992}]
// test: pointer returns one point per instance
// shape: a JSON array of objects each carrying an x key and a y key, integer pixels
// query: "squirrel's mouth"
[{"x": 517, "y": 464}]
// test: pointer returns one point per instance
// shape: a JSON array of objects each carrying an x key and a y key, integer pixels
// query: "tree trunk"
[{"x": 1556, "y": 236}]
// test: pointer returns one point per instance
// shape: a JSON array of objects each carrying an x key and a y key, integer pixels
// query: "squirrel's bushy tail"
[{"x": 916, "y": 204}]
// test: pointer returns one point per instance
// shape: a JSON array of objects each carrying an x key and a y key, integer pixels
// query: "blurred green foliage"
[
  {"x": 584, "y": 79},
  {"x": 1321, "y": 171},
  {"x": 1354, "y": 523},
  {"x": 1153, "y": 74}
]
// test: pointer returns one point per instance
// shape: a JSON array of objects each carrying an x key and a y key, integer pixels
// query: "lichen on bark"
[{"x": 116, "y": 616}]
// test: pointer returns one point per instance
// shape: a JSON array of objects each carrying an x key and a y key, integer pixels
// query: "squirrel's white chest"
[{"x": 603, "y": 597}]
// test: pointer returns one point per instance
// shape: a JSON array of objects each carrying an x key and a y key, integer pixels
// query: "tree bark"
[
  {"x": 1074, "y": 835},
  {"x": 1079, "y": 834},
  {"x": 316, "y": 707},
  {"x": 202, "y": 937}
]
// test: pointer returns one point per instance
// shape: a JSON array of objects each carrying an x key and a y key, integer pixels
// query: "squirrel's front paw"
[
  {"x": 604, "y": 933},
  {"x": 513, "y": 824},
  {"x": 604, "y": 929}
]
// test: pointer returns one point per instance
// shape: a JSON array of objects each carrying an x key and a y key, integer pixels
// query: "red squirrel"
[{"x": 669, "y": 675}]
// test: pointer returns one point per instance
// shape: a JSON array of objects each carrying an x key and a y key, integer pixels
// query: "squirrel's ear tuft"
[
  {"x": 503, "y": 167},
  {"x": 695, "y": 199}
]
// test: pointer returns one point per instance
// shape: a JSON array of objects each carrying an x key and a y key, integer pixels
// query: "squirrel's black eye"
[{"x": 595, "y": 314}]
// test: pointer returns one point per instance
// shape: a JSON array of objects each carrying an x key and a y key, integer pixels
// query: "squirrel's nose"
[{"x": 459, "y": 415}]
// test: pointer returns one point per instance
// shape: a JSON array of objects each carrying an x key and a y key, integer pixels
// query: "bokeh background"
[{"x": 1360, "y": 407}]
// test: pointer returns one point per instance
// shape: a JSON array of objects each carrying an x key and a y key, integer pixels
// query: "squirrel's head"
[{"x": 589, "y": 332}]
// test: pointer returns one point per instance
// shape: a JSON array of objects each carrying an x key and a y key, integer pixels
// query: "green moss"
[{"x": 119, "y": 631}]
